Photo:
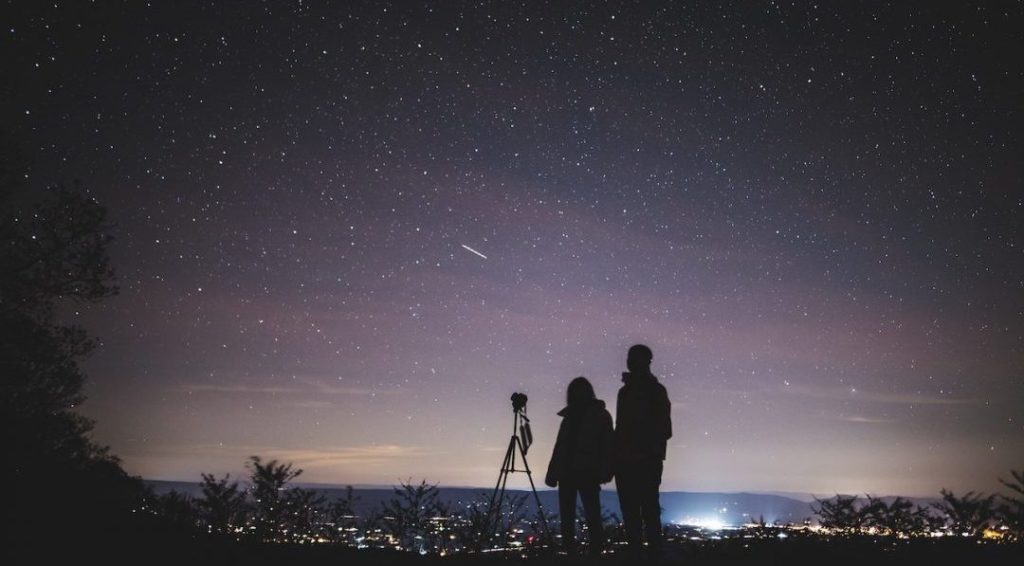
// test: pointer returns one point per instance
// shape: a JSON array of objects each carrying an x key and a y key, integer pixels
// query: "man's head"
[{"x": 639, "y": 359}]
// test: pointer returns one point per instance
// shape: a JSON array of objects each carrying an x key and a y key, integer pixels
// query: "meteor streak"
[{"x": 474, "y": 251}]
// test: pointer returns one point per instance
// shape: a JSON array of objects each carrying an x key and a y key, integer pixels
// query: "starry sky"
[{"x": 346, "y": 233}]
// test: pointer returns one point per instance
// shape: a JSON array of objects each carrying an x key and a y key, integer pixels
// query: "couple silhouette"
[{"x": 589, "y": 452}]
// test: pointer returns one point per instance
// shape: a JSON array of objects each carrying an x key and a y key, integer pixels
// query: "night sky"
[{"x": 347, "y": 233}]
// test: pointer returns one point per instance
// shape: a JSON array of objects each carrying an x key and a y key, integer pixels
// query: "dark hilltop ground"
[
  {"x": 157, "y": 546},
  {"x": 807, "y": 552}
]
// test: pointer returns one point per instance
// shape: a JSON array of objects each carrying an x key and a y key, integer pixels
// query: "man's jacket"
[{"x": 643, "y": 419}]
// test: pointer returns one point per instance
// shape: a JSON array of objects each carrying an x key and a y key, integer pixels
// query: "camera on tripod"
[
  {"x": 519, "y": 414},
  {"x": 522, "y": 438},
  {"x": 518, "y": 402},
  {"x": 519, "y": 410}
]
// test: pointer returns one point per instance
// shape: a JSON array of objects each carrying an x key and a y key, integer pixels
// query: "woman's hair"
[{"x": 580, "y": 391}]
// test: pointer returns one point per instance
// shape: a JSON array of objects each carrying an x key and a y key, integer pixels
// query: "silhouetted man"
[{"x": 643, "y": 425}]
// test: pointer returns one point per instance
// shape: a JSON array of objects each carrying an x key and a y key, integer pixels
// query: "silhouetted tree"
[
  {"x": 842, "y": 513},
  {"x": 222, "y": 508},
  {"x": 472, "y": 522},
  {"x": 970, "y": 514},
  {"x": 270, "y": 510},
  {"x": 934, "y": 522},
  {"x": 304, "y": 515},
  {"x": 175, "y": 510},
  {"x": 613, "y": 528},
  {"x": 53, "y": 252},
  {"x": 511, "y": 515},
  {"x": 898, "y": 518},
  {"x": 1011, "y": 509},
  {"x": 537, "y": 523},
  {"x": 50, "y": 252},
  {"x": 409, "y": 513},
  {"x": 610, "y": 521},
  {"x": 341, "y": 516},
  {"x": 372, "y": 525}
]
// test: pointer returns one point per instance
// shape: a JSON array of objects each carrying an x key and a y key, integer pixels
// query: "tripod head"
[
  {"x": 521, "y": 422},
  {"x": 519, "y": 402}
]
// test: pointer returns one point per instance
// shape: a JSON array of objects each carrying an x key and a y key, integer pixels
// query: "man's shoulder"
[
  {"x": 660, "y": 390},
  {"x": 656, "y": 382}
]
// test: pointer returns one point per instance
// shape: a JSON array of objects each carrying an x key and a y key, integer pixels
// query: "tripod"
[{"x": 521, "y": 439}]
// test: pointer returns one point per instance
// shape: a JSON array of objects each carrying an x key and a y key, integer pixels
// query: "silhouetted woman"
[{"x": 581, "y": 461}]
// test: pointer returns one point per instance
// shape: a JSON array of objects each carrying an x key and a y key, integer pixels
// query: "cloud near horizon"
[{"x": 311, "y": 387}]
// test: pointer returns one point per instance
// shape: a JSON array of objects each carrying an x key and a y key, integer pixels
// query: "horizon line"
[{"x": 544, "y": 488}]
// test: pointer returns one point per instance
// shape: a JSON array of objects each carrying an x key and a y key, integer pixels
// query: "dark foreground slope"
[{"x": 156, "y": 546}]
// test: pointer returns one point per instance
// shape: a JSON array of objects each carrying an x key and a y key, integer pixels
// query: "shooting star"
[{"x": 474, "y": 251}]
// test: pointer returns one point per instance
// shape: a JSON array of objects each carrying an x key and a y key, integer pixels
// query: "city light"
[{"x": 709, "y": 523}]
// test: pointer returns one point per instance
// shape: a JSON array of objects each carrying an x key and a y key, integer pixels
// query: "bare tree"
[
  {"x": 472, "y": 522},
  {"x": 511, "y": 516},
  {"x": 541, "y": 525}
]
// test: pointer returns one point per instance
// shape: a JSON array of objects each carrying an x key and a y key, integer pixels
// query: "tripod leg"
[
  {"x": 499, "y": 491},
  {"x": 536, "y": 496}
]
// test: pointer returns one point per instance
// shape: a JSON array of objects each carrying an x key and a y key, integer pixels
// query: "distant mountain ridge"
[{"x": 679, "y": 506}]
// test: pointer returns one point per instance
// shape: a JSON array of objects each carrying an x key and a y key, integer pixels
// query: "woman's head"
[{"x": 580, "y": 391}]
